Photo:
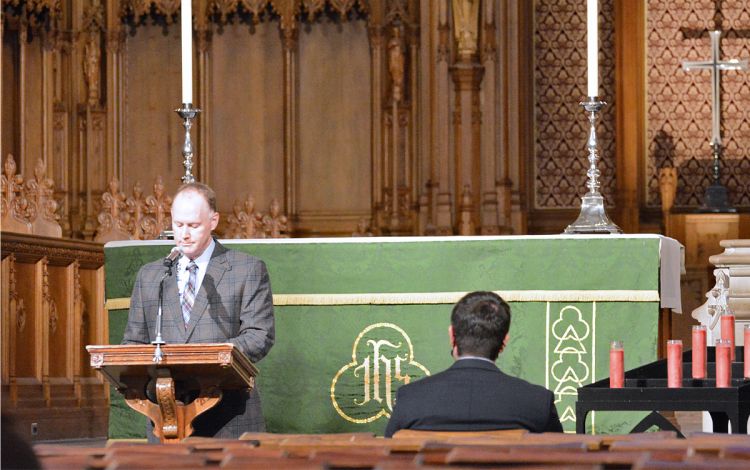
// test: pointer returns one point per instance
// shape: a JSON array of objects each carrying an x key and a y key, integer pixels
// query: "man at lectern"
[{"x": 216, "y": 295}]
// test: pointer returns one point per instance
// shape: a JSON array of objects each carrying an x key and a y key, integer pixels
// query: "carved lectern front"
[{"x": 199, "y": 371}]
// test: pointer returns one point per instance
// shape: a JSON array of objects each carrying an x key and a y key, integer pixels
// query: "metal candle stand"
[
  {"x": 188, "y": 113},
  {"x": 593, "y": 218}
]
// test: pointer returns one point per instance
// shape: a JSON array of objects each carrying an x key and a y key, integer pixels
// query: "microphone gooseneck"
[{"x": 173, "y": 256}]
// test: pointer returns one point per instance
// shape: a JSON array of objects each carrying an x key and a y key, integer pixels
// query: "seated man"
[{"x": 473, "y": 394}]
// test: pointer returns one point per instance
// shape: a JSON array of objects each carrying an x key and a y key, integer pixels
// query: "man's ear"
[
  {"x": 505, "y": 341},
  {"x": 451, "y": 336},
  {"x": 214, "y": 221}
]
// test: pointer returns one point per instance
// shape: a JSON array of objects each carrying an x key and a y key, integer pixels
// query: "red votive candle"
[
  {"x": 746, "y": 356},
  {"x": 699, "y": 351},
  {"x": 616, "y": 365},
  {"x": 723, "y": 363},
  {"x": 727, "y": 330},
  {"x": 674, "y": 363}
]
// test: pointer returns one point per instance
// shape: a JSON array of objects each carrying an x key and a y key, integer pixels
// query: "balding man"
[{"x": 217, "y": 296}]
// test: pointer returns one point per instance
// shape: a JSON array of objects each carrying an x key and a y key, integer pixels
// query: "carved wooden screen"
[
  {"x": 152, "y": 132},
  {"x": 560, "y": 157},
  {"x": 334, "y": 145},
  {"x": 246, "y": 145},
  {"x": 679, "y": 102}
]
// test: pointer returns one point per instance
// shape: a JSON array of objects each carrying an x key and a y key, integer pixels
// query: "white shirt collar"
[{"x": 476, "y": 357}]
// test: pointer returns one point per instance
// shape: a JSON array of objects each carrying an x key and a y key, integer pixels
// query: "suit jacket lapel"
[
  {"x": 172, "y": 311},
  {"x": 214, "y": 272}
]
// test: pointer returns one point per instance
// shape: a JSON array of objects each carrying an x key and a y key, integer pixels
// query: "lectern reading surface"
[{"x": 205, "y": 370}]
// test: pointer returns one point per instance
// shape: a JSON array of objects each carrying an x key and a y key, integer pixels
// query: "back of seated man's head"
[{"x": 480, "y": 323}]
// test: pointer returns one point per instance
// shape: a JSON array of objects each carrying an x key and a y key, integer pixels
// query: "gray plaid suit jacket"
[{"x": 233, "y": 305}]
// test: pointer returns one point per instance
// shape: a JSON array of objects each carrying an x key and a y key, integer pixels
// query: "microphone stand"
[{"x": 158, "y": 341}]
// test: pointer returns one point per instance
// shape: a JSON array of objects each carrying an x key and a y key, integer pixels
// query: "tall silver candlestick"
[
  {"x": 593, "y": 218},
  {"x": 187, "y": 112}
]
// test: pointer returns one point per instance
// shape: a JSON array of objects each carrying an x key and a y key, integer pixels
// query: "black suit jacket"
[{"x": 473, "y": 395}]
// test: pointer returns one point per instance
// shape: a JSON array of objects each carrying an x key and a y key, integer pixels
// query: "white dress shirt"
[{"x": 201, "y": 261}]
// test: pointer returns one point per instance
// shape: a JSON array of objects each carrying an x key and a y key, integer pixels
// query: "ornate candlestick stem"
[
  {"x": 593, "y": 218},
  {"x": 187, "y": 112}
]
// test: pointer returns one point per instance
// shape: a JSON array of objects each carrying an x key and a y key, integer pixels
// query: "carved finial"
[
  {"x": 113, "y": 217},
  {"x": 41, "y": 191},
  {"x": 244, "y": 222},
  {"x": 15, "y": 209},
  {"x": 363, "y": 228},
  {"x": 275, "y": 224}
]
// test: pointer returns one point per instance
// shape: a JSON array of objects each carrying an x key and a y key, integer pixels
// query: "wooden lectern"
[{"x": 202, "y": 369}]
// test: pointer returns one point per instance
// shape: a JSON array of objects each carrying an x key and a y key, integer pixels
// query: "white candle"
[
  {"x": 592, "y": 39},
  {"x": 186, "y": 24}
]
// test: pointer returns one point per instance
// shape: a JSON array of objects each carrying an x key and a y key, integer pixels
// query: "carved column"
[
  {"x": 518, "y": 94},
  {"x": 394, "y": 151},
  {"x": 375, "y": 35},
  {"x": 48, "y": 53},
  {"x": 92, "y": 118},
  {"x": 441, "y": 166},
  {"x": 414, "y": 150},
  {"x": 489, "y": 138},
  {"x": 203, "y": 36},
  {"x": 23, "y": 37},
  {"x": 467, "y": 76},
  {"x": 115, "y": 41},
  {"x": 289, "y": 31}
]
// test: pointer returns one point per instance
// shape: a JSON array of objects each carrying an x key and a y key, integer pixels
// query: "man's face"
[{"x": 192, "y": 223}]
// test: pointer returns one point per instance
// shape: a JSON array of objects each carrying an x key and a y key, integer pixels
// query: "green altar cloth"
[{"x": 356, "y": 318}]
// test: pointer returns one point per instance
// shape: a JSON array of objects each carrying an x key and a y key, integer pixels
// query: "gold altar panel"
[
  {"x": 247, "y": 119},
  {"x": 334, "y": 102},
  {"x": 152, "y": 132}
]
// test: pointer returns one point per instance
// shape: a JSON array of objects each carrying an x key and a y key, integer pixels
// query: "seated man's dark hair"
[{"x": 480, "y": 321}]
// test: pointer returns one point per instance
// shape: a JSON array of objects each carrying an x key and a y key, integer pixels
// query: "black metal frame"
[{"x": 646, "y": 390}]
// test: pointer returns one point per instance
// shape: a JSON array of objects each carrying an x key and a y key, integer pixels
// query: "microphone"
[{"x": 173, "y": 256}]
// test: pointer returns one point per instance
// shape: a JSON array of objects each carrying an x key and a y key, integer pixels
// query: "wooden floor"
[{"x": 499, "y": 449}]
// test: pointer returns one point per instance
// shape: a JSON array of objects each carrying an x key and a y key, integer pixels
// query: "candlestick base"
[
  {"x": 593, "y": 217},
  {"x": 188, "y": 113},
  {"x": 716, "y": 197}
]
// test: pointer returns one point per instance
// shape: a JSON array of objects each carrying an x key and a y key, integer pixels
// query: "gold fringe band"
[{"x": 427, "y": 298}]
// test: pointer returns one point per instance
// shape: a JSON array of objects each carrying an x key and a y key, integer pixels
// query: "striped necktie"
[{"x": 188, "y": 296}]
